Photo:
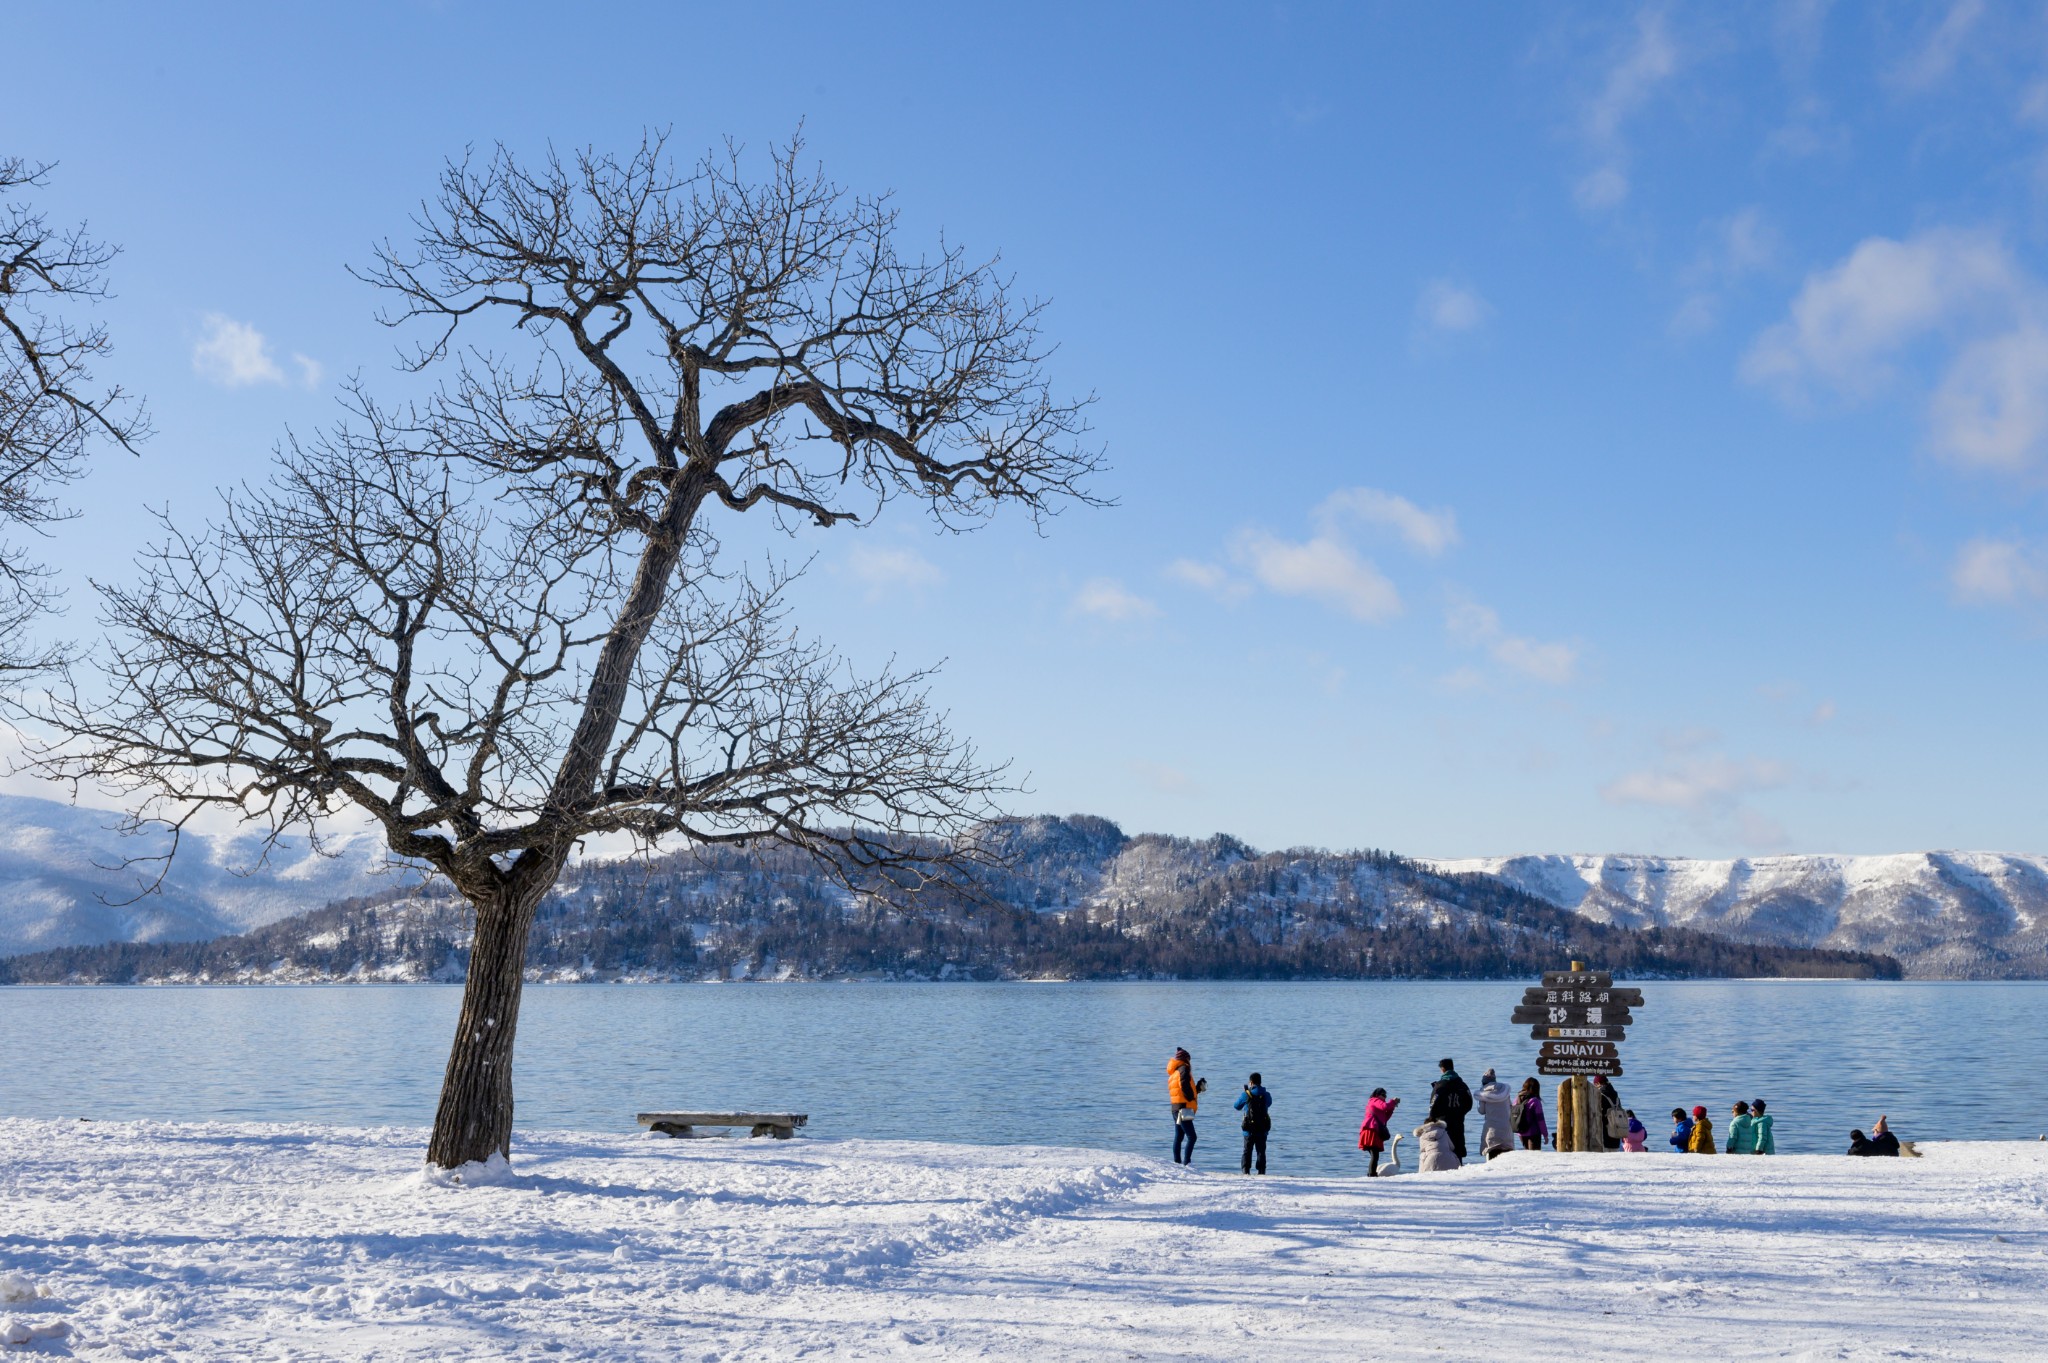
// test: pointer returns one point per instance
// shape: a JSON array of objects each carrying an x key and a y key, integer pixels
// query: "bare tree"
[
  {"x": 51, "y": 411},
  {"x": 496, "y": 619}
]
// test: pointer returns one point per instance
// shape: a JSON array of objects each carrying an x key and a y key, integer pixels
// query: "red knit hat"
[{"x": 1699, "y": 1112}]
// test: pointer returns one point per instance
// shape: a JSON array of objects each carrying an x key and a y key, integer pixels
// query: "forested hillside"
[{"x": 1074, "y": 898}]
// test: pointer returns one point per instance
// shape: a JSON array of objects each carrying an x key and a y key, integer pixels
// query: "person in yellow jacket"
[
  {"x": 1702, "y": 1140},
  {"x": 1184, "y": 1091}
]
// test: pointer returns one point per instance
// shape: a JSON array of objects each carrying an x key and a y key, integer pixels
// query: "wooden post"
[
  {"x": 1592, "y": 1131},
  {"x": 1567, "y": 1113}
]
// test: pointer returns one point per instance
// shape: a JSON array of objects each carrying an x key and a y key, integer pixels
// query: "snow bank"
[{"x": 184, "y": 1241}]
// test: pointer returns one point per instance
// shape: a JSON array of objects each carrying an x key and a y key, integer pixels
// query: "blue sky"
[{"x": 1534, "y": 428}]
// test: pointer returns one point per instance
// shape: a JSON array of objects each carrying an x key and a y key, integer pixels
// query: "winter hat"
[
  {"x": 1486, "y": 1078},
  {"x": 1699, "y": 1112}
]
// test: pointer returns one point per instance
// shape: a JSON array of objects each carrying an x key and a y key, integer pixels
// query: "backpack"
[{"x": 1617, "y": 1123}]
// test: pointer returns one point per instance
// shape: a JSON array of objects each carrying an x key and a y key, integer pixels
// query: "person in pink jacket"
[
  {"x": 1638, "y": 1135},
  {"x": 1372, "y": 1132}
]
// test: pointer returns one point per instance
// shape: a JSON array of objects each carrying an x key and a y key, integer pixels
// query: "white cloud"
[
  {"x": 1430, "y": 532},
  {"x": 888, "y": 571},
  {"x": 1713, "y": 790},
  {"x": 1846, "y": 322},
  {"x": 1849, "y": 324},
  {"x": 1747, "y": 242},
  {"x": 233, "y": 354},
  {"x": 1643, "y": 65},
  {"x": 1478, "y": 626},
  {"x": 1934, "y": 57},
  {"x": 1823, "y": 713},
  {"x": 1209, "y": 577},
  {"x": 1323, "y": 568},
  {"x": 1600, "y": 189},
  {"x": 1991, "y": 408},
  {"x": 1996, "y": 572},
  {"x": 1105, "y": 598},
  {"x": 1809, "y": 129},
  {"x": 1327, "y": 566},
  {"x": 236, "y": 355},
  {"x": 1450, "y": 308},
  {"x": 1697, "y": 783}
]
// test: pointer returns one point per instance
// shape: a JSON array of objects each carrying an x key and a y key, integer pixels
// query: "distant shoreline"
[{"x": 344, "y": 983}]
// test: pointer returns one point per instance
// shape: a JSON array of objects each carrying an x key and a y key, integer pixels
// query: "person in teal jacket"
[
  {"x": 1762, "y": 1120},
  {"x": 1742, "y": 1132}
]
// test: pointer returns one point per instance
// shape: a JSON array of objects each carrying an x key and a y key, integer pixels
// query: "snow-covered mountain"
[
  {"x": 1942, "y": 914},
  {"x": 62, "y": 882}
]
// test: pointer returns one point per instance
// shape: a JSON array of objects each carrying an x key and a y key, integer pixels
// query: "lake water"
[{"x": 1064, "y": 1064}]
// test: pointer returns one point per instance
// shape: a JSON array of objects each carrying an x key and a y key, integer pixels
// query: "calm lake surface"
[{"x": 1061, "y": 1064}]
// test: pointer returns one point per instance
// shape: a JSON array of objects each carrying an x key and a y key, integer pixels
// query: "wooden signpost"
[
  {"x": 1557, "y": 1015},
  {"x": 1580, "y": 1016}
]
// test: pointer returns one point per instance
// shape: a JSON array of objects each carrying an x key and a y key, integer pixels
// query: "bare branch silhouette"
[
  {"x": 498, "y": 620},
  {"x": 52, "y": 413}
]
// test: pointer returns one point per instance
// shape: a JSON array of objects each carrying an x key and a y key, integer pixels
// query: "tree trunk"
[{"x": 474, "y": 1120}]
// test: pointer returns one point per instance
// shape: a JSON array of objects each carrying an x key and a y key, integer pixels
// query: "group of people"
[
  {"x": 1880, "y": 1141},
  {"x": 1185, "y": 1092},
  {"x": 1507, "y": 1119},
  {"x": 1749, "y": 1130}
]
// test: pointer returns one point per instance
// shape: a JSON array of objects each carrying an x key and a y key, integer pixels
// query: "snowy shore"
[{"x": 214, "y": 1241}]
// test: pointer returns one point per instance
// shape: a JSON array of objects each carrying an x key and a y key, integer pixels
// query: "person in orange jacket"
[
  {"x": 1183, "y": 1090},
  {"x": 1701, "y": 1142}
]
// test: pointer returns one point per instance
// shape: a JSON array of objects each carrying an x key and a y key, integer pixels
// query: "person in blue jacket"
[
  {"x": 1257, "y": 1106},
  {"x": 1681, "y": 1130}
]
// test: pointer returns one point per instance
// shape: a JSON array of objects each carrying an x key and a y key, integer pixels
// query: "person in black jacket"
[
  {"x": 1257, "y": 1106},
  {"x": 1606, "y": 1101},
  {"x": 1449, "y": 1101}
]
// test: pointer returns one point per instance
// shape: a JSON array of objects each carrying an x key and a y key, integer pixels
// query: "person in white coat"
[
  {"x": 1496, "y": 1113},
  {"x": 1433, "y": 1142}
]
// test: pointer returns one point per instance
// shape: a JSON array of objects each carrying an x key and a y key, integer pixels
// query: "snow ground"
[{"x": 215, "y": 1241}]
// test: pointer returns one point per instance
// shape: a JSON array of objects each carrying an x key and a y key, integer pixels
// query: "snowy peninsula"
[{"x": 214, "y": 1241}]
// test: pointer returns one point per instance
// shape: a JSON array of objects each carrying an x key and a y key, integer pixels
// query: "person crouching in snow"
[
  {"x": 1702, "y": 1140},
  {"x": 1681, "y": 1131},
  {"x": 1496, "y": 1116},
  {"x": 1372, "y": 1132},
  {"x": 1183, "y": 1090},
  {"x": 1257, "y": 1105},
  {"x": 1433, "y": 1139},
  {"x": 1530, "y": 1124},
  {"x": 1638, "y": 1137},
  {"x": 1742, "y": 1131}
]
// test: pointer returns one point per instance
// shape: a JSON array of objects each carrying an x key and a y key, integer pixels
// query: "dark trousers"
[
  {"x": 1255, "y": 1144},
  {"x": 1372, "y": 1170},
  {"x": 1183, "y": 1132},
  {"x": 1457, "y": 1138}
]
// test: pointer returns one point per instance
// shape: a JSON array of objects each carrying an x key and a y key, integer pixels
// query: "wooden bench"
[{"x": 780, "y": 1125}]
